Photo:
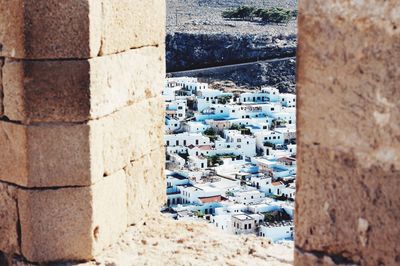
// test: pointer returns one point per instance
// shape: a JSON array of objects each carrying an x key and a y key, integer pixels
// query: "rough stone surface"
[
  {"x": 33, "y": 94},
  {"x": 128, "y": 24},
  {"x": 310, "y": 259},
  {"x": 55, "y": 155},
  {"x": 67, "y": 31},
  {"x": 162, "y": 241},
  {"x": 1, "y": 87},
  {"x": 11, "y": 33},
  {"x": 13, "y": 155},
  {"x": 9, "y": 219},
  {"x": 349, "y": 142},
  {"x": 131, "y": 133},
  {"x": 47, "y": 155},
  {"x": 83, "y": 89},
  {"x": 145, "y": 174},
  {"x": 78, "y": 29},
  {"x": 328, "y": 220},
  {"x": 72, "y": 223}
]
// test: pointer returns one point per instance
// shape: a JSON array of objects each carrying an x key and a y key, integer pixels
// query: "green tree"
[
  {"x": 269, "y": 144},
  {"x": 275, "y": 15},
  {"x": 213, "y": 160},
  {"x": 242, "y": 12},
  {"x": 234, "y": 127},
  {"x": 210, "y": 132}
]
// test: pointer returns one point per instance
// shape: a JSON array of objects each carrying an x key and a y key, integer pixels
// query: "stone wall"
[
  {"x": 348, "y": 188},
  {"x": 81, "y": 123}
]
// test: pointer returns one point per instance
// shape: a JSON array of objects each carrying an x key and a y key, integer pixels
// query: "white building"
[
  {"x": 195, "y": 127},
  {"x": 253, "y": 97},
  {"x": 186, "y": 139},
  {"x": 288, "y": 99},
  {"x": 248, "y": 197},
  {"x": 197, "y": 193},
  {"x": 245, "y": 145},
  {"x": 277, "y": 232},
  {"x": 177, "y": 109},
  {"x": 246, "y": 223},
  {"x": 266, "y": 138},
  {"x": 272, "y": 93},
  {"x": 197, "y": 162},
  {"x": 207, "y": 97},
  {"x": 172, "y": 124},
  {"x": 223, "y": 222}
]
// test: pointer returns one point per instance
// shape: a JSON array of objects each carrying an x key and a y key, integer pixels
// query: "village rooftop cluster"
[{"x": 231, "y": 157}]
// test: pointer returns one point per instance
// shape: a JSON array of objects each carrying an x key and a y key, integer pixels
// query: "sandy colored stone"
[
  {"x": 14, "y": 153},
  {"x": 8, "y": 219},
  {"x": 78, "y": 29},
  {"x": 55, "y": 155},
  {"x": 41, "y": 91},
  {"x": 310, "y": 259},
  {"x": 80, "y": 90},
  {"x": 347, "y": 198},
  {"x": 1, "y": 87},
  {"x": 163, "y": 241},
  {"x": 45, "y": 29},
  {"x": 346, "y": 210},
  {"x": 146, "y": 174},
  {"x": 127, "y": 24},
  {"x": 348, "y": 92},
  {"x": 131, "y": 133},
  {"x": 11, "y": 31},
  {"x": 72, "y": 223},
  {"x": 48, "y": 155}
]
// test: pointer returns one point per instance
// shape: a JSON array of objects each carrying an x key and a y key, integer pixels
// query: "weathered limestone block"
[
  {"x": 349, "y": 130},
  {"x": 8, "y": 219},
  {"x": 1, "y": 87},
  {"x": 127, "y": 24},
  {"x": 48, "y": 155},
  {"x": 78, "y": 29},
  {"x": 348, "y": 92},
  {"x": 80, "y": 90},
  {"x": 72, "y": 223},
  {"x": 346, "y": 209},
  {"x": 131, "y": 133},
  {"x": 55, "y": 155},
  {"x": 310, "y": 259},
  {"x": 146, "y": 174}
]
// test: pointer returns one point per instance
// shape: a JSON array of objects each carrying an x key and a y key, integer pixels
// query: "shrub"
[
  {"x": 229, "y": 14},
  {"x": 213, "y": 160},
  {"x": 268, "y": 15},
  {"x": 276, "y": 15},
  {"x": 245, "y": 131},
  {"x": 229, "y": 194},
  {"x": 209, "y": 132},
  {"x": 224, "y": 99},
  {"x": 234, "y": 127},
  {"x": 241, "y": 12},
  {"x": 269, "y": 144}
]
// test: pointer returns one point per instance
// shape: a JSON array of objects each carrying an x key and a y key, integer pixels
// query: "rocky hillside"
[
  {"x": 198, "y": 37},
  {"x": 198, "y": 50},
  {"x": 279, "y": 73}
]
